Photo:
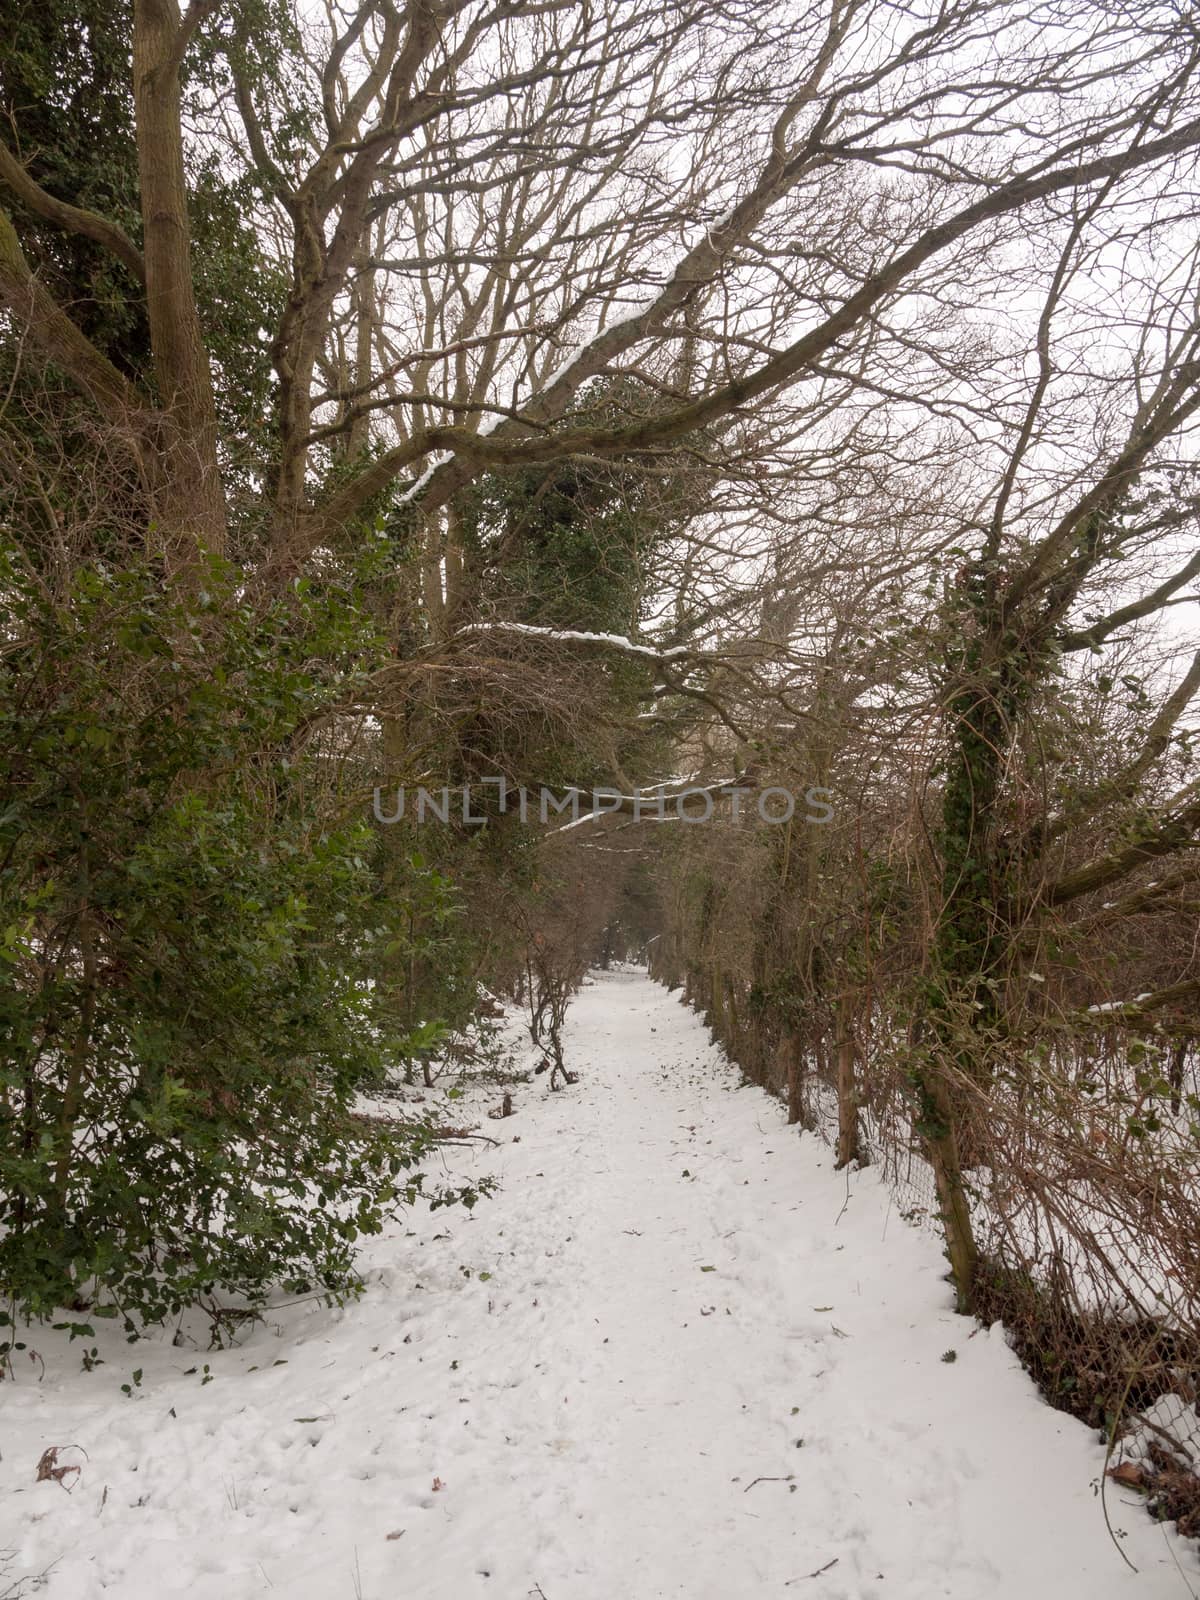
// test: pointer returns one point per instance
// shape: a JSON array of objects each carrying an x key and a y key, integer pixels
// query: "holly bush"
[{"x": 189, "y": 928}]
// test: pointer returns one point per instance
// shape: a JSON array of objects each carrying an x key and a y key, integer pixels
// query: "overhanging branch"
[{"x": 73, "y": 219}]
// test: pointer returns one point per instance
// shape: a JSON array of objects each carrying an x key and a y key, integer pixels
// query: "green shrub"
[{"x": 188, "y": 932}]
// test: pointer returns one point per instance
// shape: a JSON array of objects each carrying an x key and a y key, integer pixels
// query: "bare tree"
[{"x": 733, "y": 201}]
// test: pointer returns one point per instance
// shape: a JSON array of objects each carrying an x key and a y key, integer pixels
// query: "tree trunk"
[
  {"x": 936, "y": 1126},
  {"x": 847, "y": 1092},
  {"x": 188, "y": 492},
  {"x": 1175, "y": 1074},
  {"x": 716, "y": 1010},
  {"x": 789, "y": 1047}
]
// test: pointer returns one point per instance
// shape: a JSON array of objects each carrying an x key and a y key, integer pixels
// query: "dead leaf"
[
  {"x": 48, "y": 1469},
  {"x": 438, "y": 1484},
  {"x": 1130, "y": 1474}
]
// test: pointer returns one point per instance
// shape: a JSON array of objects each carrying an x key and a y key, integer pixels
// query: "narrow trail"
[{"x": 675, "y": 1356}]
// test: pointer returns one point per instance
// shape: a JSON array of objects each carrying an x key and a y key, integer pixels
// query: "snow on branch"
[
  {"x": 657, "y": 797},
  {"x": 615, "y": 641}
]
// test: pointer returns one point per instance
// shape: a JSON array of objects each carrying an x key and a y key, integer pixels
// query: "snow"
[
  {"x": 644, "y": 797},
  {"x": 637, "y": 309},
  {"x": 438, "y": 459},
  {"x": 1119, "y": 1005},
  {"x": 634, "y": 312},
  {"x": 676, "y": 1357},
  {"x": 617, "y": 640}
]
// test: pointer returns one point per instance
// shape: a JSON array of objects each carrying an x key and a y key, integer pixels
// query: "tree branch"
[
  {"x": 1087, "y": 638},
  {"x": 71, "y": 218},
  {"x": 56, "y": 335},
  {"x": 1173, "y": 833},
  {"x": 1120, "y": 787},
  {"x": 501, "y": 449}
]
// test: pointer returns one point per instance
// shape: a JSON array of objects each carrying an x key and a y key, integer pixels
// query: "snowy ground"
[{"x": 675, "y": 1356}]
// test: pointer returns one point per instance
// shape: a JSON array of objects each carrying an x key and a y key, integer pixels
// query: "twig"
[
  {"x": 750, "y": 1486},
  {"x": 846, "y": 1201},
  {"x": 815, "y": 1574}
]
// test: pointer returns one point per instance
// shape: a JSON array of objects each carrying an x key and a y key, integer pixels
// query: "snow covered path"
[{"x": 676, "y": 1356}]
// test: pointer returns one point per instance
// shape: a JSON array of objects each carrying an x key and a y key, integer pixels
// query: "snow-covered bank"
[{"x": 676, "y": 1356}]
